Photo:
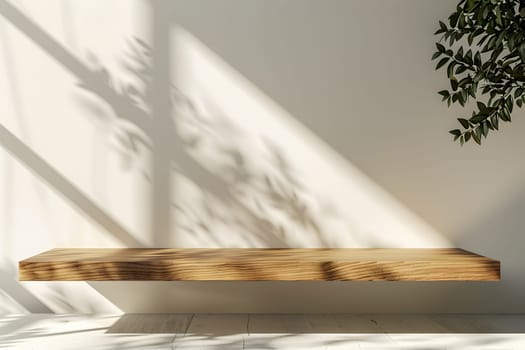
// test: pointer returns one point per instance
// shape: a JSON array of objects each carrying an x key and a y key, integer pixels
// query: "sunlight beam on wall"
[{"x": 229, "y": 113}]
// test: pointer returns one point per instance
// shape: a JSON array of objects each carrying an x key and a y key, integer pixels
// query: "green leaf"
[
  {"x": 481, "y": 106},
  {"x": 442, "y": 62},
  {"x": 510, "y": 103},
  {"x": 436, "y": 55},
  {"x": 505, "y": 115},
  {"x": 450, "y": 69},
  {"x": 490, "y": 44},
  {"x": 461, "y": 22},
  {"x": 477, "y": 59},
  {"x": 478, "y": 132},
  {"x": 461, "y": 69},
  {"x": 464, "y": 82},
  {"x": 455, "y": 132},
  {"x": 478, "y": 118},
  {"x": 440, "y": 47},
  {"x": 499, "y": 40},
  {"x": 498, "y": 16},
  {"x": 453, "y": 19},
  {"x": 462, "y": 97},
  {"x": 459, "y": 54},
  {"x": 521, "y": 51},
  {"x": 485, "y": 12},
  {"x": 468, "y": 57},
  {"x": 464, "y": 123},
  {"x": 495, "y": 122},
  {"x": 476, "y": 137},
  {"x": 452, "y": 38},
  {"x": 446, "y": 35}
]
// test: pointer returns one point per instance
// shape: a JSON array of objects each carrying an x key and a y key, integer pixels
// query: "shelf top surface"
[{"x": 313, "y": 254}]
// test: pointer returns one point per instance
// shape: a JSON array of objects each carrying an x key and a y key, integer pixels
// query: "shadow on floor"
[{"x": 229, "y": 324}]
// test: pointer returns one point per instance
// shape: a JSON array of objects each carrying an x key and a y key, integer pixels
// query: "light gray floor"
[{"x": 248, "y": 331}]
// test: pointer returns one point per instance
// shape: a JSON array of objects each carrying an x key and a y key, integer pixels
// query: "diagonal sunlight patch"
[
  {"x": 273, "y": 165},
  {"x": 64, "y": 187}
]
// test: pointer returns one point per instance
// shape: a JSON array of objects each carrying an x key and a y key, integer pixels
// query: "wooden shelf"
[{"x": 247, "y": 264}]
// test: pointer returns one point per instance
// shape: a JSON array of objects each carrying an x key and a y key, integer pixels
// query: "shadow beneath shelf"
[{"x": 215, "y": 325}]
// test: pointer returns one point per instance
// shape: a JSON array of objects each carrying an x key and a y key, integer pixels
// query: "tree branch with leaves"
[{"x": 482, "y": 50}]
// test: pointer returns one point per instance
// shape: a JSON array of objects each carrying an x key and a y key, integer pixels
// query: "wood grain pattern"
[{"x": 247, "y": 264}]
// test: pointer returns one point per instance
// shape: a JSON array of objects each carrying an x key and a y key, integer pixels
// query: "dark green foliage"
[{"x": 482, "y": 49}]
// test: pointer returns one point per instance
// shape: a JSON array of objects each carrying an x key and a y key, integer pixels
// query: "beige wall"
[{"x": 303, "y": 123}]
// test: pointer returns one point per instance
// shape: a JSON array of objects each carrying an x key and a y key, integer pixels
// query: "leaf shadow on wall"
[{"x": 232, "y": 194}]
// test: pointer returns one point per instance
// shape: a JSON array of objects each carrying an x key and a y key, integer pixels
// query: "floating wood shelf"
[{"x": 246, "y": 264}]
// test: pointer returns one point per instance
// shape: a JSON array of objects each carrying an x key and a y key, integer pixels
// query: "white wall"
[{"x": 298, "y": 123}]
